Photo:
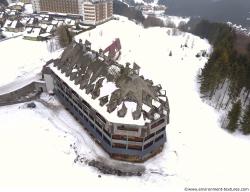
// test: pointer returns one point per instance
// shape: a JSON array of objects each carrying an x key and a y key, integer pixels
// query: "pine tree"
[
  {"x": 233, "y": 116},
  {"x": 245, "y": 124},
  {"x": 65, "y": 37},
  {"x": 170, "y": 53}
]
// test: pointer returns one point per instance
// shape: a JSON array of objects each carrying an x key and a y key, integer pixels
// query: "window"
[
  {"x": 159, "y": 138},
  {"x": 148, "y": 145},
  {"x": 136, "y": 139},
  {"x": 106, "y": 132},
  {"x": 119, "y": 137},
  {"x": 161, "y": 130},
  {"x": 157, "y": 123},
  {"x": 150, "y": 136},
  {"x": 123, "y": 128},
  {"x": 119, "y": 145},
  {"x": 136, "y": 147}
]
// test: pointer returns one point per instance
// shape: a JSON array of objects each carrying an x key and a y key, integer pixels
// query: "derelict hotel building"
[
  {"x": 122, "y": 111},
  {"x": 91, "y": 11}
]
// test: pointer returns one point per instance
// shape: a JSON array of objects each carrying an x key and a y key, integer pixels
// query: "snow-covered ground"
[
  {"x": 35, "y": 143},
  {"x": 174, "y": 19},
  {"x": 21, "y": 61},
  {"x": 154, "y": 2}
]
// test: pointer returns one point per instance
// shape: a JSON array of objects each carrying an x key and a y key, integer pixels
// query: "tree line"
[
  {"x": 229, "y": 61},
  {"x": 133, "y": 14}
]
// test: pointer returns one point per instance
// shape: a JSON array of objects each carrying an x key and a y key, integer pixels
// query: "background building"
[{"x": 92, "y": 12}]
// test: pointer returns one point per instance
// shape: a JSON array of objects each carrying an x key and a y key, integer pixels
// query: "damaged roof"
[{"x": 118, "y": 89}]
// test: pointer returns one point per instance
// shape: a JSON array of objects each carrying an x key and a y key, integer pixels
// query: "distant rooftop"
[{"x": 118, "y": 92}]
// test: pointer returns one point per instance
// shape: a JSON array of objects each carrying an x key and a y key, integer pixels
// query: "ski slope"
[{"x": 35, "y": 143}]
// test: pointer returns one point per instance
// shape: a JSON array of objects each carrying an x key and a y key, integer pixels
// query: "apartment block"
[{"x": 92, "y": 12}]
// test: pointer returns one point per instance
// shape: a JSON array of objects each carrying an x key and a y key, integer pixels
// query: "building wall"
[
  {"x": 49, "y": 83},
  {"x": 36, "y": 6},
  {"x": 125, "y": 142},
  {"x": 110, "y": 9},
  {"x": 89, "y": 12},
  {"x": 60, "y": 6},
  {"x": 98, "y": 12},
  {"x": 92, "y": 12}
]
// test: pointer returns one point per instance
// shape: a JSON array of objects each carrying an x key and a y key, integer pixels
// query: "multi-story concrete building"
[
  {"x": 92, "y": 11},
  {"x": 97, "y": 11},
  {"x": 125, "y": 113}
]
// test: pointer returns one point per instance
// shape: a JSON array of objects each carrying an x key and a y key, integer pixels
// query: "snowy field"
[
  {"x": 36, "y": 144},
  {"x": 21, "y": 62}
]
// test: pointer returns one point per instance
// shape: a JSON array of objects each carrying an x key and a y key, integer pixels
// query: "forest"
[
  {"x": 228, "y": 63},
  {"x": 3, "y": 2}
]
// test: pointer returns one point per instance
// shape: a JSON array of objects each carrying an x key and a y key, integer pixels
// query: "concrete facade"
[
  {"x": 92, "y": 12},
  {"x": 123, "y": 142},
  {"x": 97, "y": 12}
]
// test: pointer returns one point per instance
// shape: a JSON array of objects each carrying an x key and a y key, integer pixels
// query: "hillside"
[
  {"x": 225, "y": 77},
  {"x": 123, "y": 9},
  {"x": 235, "y": 11},
  {"x": 42, "y": 143}
]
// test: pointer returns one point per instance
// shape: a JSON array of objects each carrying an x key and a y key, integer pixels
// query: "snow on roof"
[
  {"x": 60, "y": 23},
  {"x": 24, "y": 20},
  {"x": 45, "y": 35},
  {"x": 43, "y": 15},
  {"x": 54, "y": 22},
  {"x": 49, "y": 28},
  {"x": 156, "y": 103},
  {"x": 7, "y": 23},
  {"x": 43, "y": 26},
  {"x": 39, "y": 18},
  {"x": 73, "y": 22},
  {"x": 69, "y": 21},
  {"x": 12, "y": 13},
  {"x": 16, "y": 4},
  {"x": 56, "y": 13},
  {"x": 31, "y": 21},
  {"x": 14, "y": 24},
  {"x": 104, "y": 78},
  {"x": 128, "y": 119},
  {"x": 32, "y": 32},
  {"x": 108, "y": 87}
]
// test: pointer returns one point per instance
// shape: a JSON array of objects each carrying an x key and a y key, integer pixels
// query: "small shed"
[{"x": 32, "y": 33}]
